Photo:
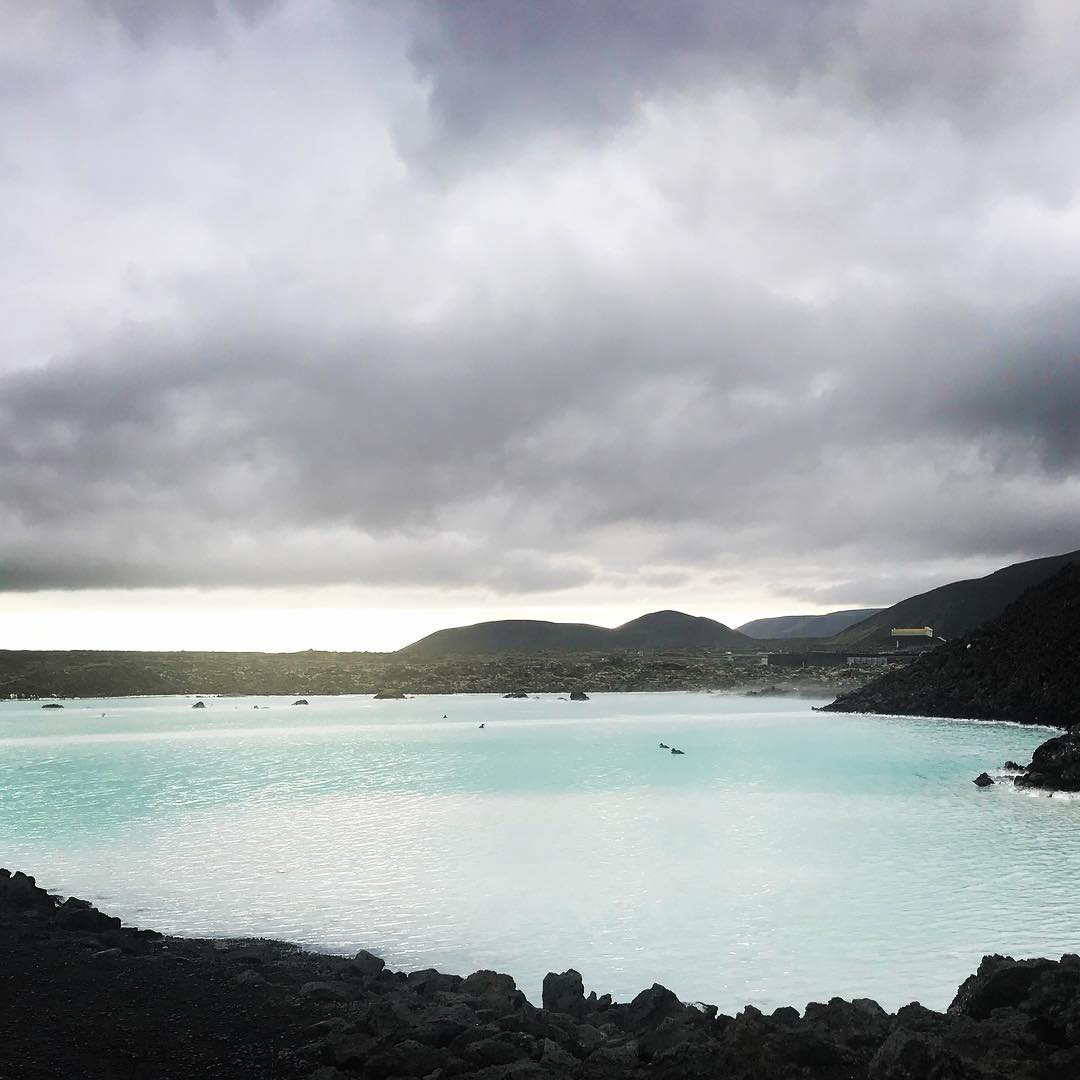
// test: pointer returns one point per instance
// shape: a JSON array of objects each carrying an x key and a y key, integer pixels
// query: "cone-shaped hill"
[
  {"x": 1022, "y": 666},
  {"x": 659, "y": 630}
]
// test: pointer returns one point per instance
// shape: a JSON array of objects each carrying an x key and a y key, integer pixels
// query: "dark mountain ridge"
[
  {"x": 657, "y": 630},
  {"x": 957, "y": 608},
  {"x": 781, "y": 627},
  {"x": 1023, "y": 666}
]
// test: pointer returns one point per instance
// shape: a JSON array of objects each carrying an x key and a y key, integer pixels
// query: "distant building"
[{"x": 912, "y": 631}]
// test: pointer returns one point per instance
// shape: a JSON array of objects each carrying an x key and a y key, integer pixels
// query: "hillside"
[
  {"x": 509, "y": 635},
  {"x": 805, "y": 626},
  {"x": 1022, "y": 666},
  {"x": 658, "y": 630},
  {"x": 957, "y": 608}
]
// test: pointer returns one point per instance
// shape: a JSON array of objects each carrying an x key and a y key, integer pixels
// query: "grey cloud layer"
[
  {"x": 787, "y": 293},
  {"x": 494, "y": 64}
]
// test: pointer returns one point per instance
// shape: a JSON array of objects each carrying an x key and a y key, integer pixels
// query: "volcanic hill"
[
  {"x": 1023, "y": 666},
  {"x": 957, "y": 608},
  {"x": 658, "y": 630}
]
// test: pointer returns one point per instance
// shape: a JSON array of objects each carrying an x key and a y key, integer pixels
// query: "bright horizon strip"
[{"x": 220, "y": 621}]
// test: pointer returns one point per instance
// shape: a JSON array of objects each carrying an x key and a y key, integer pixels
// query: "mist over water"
[{"x": 788, "y": 856}]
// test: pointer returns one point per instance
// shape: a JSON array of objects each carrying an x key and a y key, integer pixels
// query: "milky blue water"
[{"x": 788, "y": 856}]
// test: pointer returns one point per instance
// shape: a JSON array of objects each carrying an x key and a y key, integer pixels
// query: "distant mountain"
[
  {"x": 1021, "y": 666},
  {"x": 659, "y": 630},
  {"x": 958, "y": 608},
  {"x": 800, "y": 626}
]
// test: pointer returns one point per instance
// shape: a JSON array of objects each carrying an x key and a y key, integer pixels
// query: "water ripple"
[{"x": 789, "y": 856}]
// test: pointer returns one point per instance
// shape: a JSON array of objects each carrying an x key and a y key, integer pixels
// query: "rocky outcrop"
[
  {"x": 390, "y": 695},
  {"x": 578, "y": 695},
  {"x": 983, "y": 780},
  {"x": 1019, "y": 667},
  {"x": 240, "y": 1009},
  {"x": 1055, "y": 765},
  {"x": 516, "y": 694},
  {"x": 564, "y": 993}
]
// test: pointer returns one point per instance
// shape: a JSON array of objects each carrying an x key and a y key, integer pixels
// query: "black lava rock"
[{"x": 1055, "y": 764}]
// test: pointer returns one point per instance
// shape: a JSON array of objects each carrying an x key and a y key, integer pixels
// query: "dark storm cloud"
[
  {"x": 780, "y": 291},
  {"x": 497, "y": 67},
  {"x": 494, "y": 64}
]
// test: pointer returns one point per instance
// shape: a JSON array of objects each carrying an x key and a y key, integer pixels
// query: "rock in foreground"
[{"x": 82, "y": 996}]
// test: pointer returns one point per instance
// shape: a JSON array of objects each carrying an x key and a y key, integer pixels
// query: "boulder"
[
  {"x": 1013, "y": 767},
  {"x": 589, "y": 1037},
  {"x": 53, "y": 705},
  {"x": 498, "y": 992},
  {"x": 1001, "y": 982},
  {"x": 406, "y": 1058},
  {"x": 554, "y": 1057},
  {"x": 982, "y": 780},
  {"x": 326, "y": 991},
  {"x": 81, "y": 915},
  {"x": 565, "y": 993},
  {"x": 650, "y": 1008},
  {"x": 860, "y": 1025},
  {"x": 390, "y": 695},
  {"x": 365, "y": 963},
  {"x": 427, "y": 982},
  {"x": 298, "y": 701},
  {"x": 441, "y": 1025},
  {"x": 613, "y": 1061},
  {"x": 912, "y": 1055},
  {"x": 516, "y": 694},
  {"x": 578, "y": 695},
  {"x": 22, "y": 891},
  {"x": 199, "y": 705},
  {"x": 1055, "y": 764},
  {"x": 351, "y": 1050},
  {"x": 501, "y": 1049}
]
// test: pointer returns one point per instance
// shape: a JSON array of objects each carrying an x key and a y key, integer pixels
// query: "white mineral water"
[{"x": 789, "y": 855}]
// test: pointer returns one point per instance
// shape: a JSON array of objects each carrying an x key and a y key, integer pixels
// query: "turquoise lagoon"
[{"x": 789, "y": 856}]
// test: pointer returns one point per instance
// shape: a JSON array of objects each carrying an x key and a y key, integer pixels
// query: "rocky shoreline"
[{"x": 82, "y": 995}]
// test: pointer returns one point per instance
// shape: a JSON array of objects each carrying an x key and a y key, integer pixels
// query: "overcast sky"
[{"x": 328, "y": 323}]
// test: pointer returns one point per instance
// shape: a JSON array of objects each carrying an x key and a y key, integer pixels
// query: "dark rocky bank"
[
  {"x": 82, "y": 996},
  {"x": 1054, "y": 766},
  {"x": 1023, "y": 666}
]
